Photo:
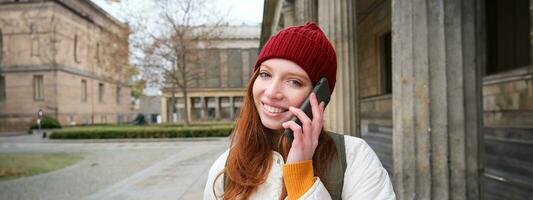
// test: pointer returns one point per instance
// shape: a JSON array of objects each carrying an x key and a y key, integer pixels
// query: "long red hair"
[{"x": 250, "y": 156}]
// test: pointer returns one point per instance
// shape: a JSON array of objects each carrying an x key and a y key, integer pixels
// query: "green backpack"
[{"x": 336, "y": 169}]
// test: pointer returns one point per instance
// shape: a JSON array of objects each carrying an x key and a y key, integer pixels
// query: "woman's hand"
[{"x": 305, "y": 136}]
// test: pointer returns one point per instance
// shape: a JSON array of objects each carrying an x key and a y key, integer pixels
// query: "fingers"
[
  {"x": 296, "y": 129},
  {"x": 315, "y": 109},
  {"x": 304, "y": 119}
]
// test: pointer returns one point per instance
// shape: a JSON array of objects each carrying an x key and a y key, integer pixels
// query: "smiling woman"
[
  {"x": 263, "y": 163},
  {"x": 280, "y": 84}
]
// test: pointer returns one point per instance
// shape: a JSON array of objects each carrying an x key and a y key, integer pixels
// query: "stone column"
[
  {"x": 217, "y": 108},
  {"x": 232, "y": 108},
  {"x": 337, "y": 20},
  {"x": 437, "y": 141},
  {"x": 288, "y": 13},
  {"x": 190, "y": 108},
  {"x": 203, "y": 101},
  {"x": 306, "y": 10},
  {"x": 164, "y": 109}
]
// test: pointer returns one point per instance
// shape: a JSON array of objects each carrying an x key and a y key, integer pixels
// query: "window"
[
  {"x": 385, "y": 41},
  {"x": 118, "y": 95},
  {"x": 508, "y": 35},
  {"x": 83, "y": 90},
  {"x": 101, "y": 92},
  {"x": 34, "y": 40},
  {"x": 2, "y": 89},
  {"x": 38, "y": 88},
  {"x": 76, "y": 48}
]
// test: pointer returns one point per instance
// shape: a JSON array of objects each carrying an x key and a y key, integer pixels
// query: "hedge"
[
  {"x": 139, "y": 132},
  {"x": 47, "y": 123}
]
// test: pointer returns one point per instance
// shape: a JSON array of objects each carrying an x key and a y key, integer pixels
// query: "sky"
[{"x": 239, "y": 11}]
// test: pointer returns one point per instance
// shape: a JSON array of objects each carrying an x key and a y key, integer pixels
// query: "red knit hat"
[{"x": 308, "y": 47}]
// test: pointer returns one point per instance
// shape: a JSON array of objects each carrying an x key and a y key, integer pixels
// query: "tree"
[{"x": 170, "y": 53}]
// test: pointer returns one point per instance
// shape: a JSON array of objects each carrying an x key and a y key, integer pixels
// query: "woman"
[{"x": 262, "y": 163}]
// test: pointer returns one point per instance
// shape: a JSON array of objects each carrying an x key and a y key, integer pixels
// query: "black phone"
[{"x": 321, "y": 90}]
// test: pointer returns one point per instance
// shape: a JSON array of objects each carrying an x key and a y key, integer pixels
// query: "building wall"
[
  {"x": 508, "y": 99},
  {"x": 228, "y": 62},
  {"x": 65, "y": 46},
  {"x": 370, "y": 27},
  {"x": 376, "y": 105},
  {"x": 507, "y": 96}
]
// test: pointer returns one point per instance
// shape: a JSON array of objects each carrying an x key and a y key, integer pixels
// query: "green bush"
[
  {"x": 140, "y": 132},
  {"x": 47, "y": 122}
]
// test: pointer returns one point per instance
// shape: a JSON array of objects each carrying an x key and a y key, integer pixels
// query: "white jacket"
[{"x": 364, "y": 178}]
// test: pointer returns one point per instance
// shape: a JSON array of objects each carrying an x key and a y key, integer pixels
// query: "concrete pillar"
[
  {"x": 338, "y": 20},
  {"x": 217, "y": 108},
  {"x": 189, "y": 109},
  {"x": 437, "y": 141},
  {"x": 274, "y": 28},
  {"x": 232, "y": 108},
  {"x": 164, "y": 109},
  {"x": 288, "y": 13},
  {"x": 306, "y": 10},
  {"x": 203, "y": 101}
]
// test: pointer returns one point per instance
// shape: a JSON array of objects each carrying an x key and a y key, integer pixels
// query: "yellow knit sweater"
[{"x": 298, "y": 178}]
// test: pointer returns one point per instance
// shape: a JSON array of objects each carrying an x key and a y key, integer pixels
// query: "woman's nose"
[{"x": 274, "y": 90}]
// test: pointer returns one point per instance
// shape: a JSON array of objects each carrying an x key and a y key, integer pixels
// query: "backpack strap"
[
  {"x": 337, "y": 167},
  {"x": 335, "y": 170}
]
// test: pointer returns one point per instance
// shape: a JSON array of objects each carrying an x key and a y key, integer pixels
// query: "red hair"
[{"x": 250, "y": 157}]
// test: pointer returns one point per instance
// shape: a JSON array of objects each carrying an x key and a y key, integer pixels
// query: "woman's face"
[{"x": 280, "y": 84}]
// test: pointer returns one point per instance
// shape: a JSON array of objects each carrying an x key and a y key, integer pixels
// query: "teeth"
[{"x": 273, "y": 109}]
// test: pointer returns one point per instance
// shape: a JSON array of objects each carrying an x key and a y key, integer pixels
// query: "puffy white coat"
[{"x": 364, "y": 178}]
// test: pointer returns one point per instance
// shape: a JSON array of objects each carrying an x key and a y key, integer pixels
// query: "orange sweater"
[{"x": 298, "y": 178}]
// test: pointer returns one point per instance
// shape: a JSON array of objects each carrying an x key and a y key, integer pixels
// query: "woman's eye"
[
  {"x": 295, "y": 83},
  {"x": 264, "y": 74}
]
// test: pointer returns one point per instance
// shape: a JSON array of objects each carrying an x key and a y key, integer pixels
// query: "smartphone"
[{"x": 321, "y": 90}]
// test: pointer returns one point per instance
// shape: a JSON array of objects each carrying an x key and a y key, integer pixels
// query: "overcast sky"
[{"x": 239, "y": 11}]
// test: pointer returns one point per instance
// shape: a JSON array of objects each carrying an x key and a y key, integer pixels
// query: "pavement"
[{"x": 116, "y": 169}]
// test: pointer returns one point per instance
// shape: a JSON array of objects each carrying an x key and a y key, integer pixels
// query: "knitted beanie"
[{"x": 307, "y": 46}]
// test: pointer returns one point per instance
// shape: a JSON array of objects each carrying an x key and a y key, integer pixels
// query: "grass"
[{"x": 15, "y": 165}]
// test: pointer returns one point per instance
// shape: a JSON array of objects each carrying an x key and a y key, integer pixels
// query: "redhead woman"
[{"x": 263, "y": 163}]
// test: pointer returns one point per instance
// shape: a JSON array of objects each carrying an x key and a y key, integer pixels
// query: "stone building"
[
  {"x": 229, "y": 60},
  {"x": 68, "y": 58},
  {"x": 442, "y": 90}
]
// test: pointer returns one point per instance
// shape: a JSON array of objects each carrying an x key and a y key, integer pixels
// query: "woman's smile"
[{"x": 274, "y": 111}]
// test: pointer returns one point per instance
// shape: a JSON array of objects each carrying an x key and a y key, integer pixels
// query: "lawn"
[{"x": 15, "y": 165}]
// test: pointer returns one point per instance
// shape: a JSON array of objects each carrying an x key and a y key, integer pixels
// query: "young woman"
[{"x": 262, "y": 163}]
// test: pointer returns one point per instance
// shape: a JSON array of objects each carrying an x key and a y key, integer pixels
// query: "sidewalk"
[{"x": 127, "y": 169}]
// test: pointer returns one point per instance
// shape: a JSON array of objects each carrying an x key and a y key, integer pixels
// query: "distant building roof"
[
  {"x": 229, "y": 31},
  {"x": 74, "y": 6},
  {"x": 241, "y": 32}
]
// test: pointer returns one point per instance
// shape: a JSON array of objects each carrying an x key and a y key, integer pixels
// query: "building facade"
[
  {"x": 441, "y": 90},
  {"x": 67, "y": 58},
  {"x": 218, "y": 95}
]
